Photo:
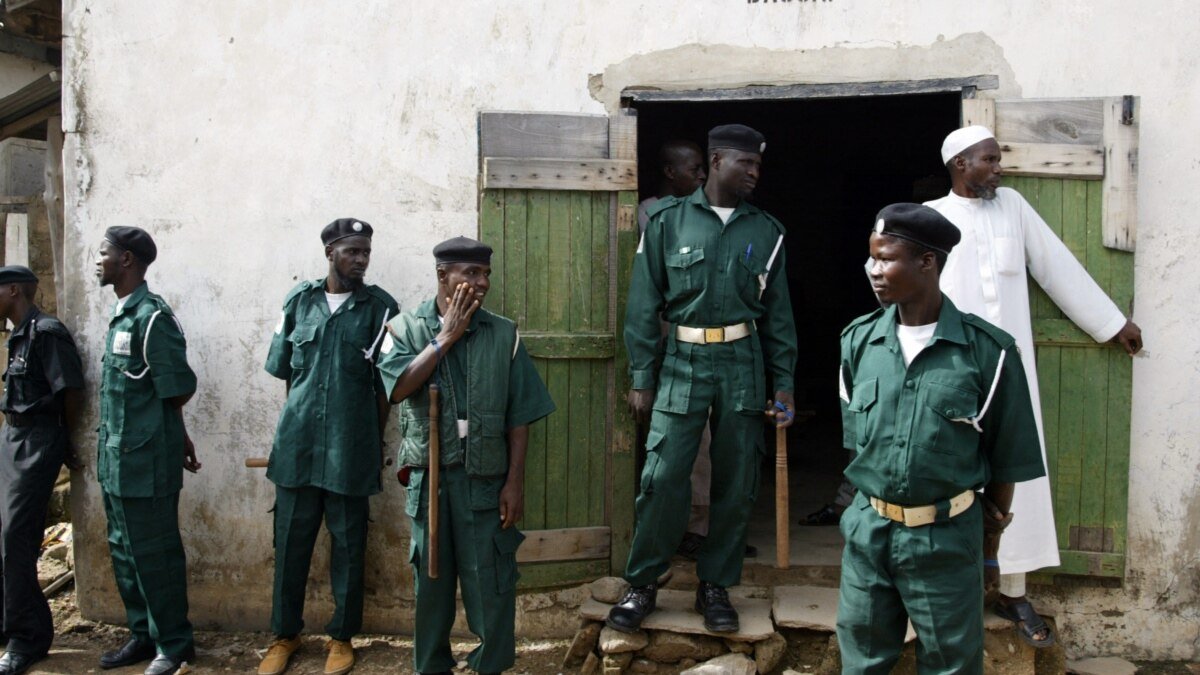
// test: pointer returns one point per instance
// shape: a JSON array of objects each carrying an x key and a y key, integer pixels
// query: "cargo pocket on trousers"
[
  {"x": 507, "y": 542},
  {"x": 653, "y": 440},
  {"x": 412, "y": 495}
]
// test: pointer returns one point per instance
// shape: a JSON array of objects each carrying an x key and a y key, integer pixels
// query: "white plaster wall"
[{"x": 234, "y": 131}]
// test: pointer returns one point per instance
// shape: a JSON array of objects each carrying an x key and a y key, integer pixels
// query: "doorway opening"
[{"x": 829, "y": 166}]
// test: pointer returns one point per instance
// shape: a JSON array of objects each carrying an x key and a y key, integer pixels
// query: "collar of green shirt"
[
  {"x": 949, "y": 326},
  {"x": 428, "y": 311},
  {"x": 699, "y": 199},
  {"x": 318, "y": 287},
  {"x": 134, "y": 298}
]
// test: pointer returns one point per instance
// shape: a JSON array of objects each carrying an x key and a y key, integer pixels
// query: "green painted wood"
[
  {"x": 602, "y": 382},
  {"x": 570, "y": 345},
  {"x": 535, "y": 468},
  {"x": 622, "y": 463},
  {"x": 579, "y": 445},
  {"x": 491, "y": 232},
  {"x": 581, "y": 261},
  {"x": 1085, "y": 389},
  {"x": 516, "y": 214},
  {"x": 538, "y": 257},
  {"x": 542, "y": 576}
]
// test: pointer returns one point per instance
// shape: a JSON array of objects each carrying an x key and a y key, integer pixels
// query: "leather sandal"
[{"x": 1027, "y": 622}]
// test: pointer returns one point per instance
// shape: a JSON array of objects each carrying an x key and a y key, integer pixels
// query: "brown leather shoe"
[
  {"x": 276, "y": 660},
  {"x": 341, "y": 657}
]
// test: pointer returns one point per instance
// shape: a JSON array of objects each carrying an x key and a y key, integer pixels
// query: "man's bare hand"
[
  {"x": 783, "y": 418},
  {"x": 641, "y": 401},
  {"x": 1130, "y": 338},
  {"x": 189, "y": 455},
  {"x": 460, "y": 307},
  {"x": 512, "y": 501}
]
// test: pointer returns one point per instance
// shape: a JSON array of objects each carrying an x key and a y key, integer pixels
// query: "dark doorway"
[{"x": 829, "y": 166}]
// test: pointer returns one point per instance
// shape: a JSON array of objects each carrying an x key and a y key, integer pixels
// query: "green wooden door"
[
  {"x": 1073, "y": 160},
  {"x": 558, "y": 206}
]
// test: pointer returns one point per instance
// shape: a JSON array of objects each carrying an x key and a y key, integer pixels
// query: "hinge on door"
[{"x": 1127, "y": 110}]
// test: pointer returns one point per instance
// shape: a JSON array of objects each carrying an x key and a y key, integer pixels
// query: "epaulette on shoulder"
[
  {"x": 298, "y": 289},
  {"x": 383, "y": 296},
  {"x": 51, "y": 324},
  {"x": 862, "y": 320},
  {"x": 155, "y": 303},
  {"x": 774, "y": 221},
  {"x": 661, "y": 205},
  {"x": 1003, "y": 339}
]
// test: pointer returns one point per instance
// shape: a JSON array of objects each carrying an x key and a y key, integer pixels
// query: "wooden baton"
[
  {"x": 256, "y": 462},
  {"x": 435, "y": 461},
  {"x": 783, "y": 547}
]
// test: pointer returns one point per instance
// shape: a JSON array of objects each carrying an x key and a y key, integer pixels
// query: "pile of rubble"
[{"x": 673, "y": 638}]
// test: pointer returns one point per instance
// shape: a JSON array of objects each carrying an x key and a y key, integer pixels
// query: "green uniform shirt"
[
  {"x": 328, "y": 434},
  {"x": 700, "y": 272},
  {"x": 464, "y": 380},
  {"x": 958, "y": 417},
  {"x": 141, "y": 434}
]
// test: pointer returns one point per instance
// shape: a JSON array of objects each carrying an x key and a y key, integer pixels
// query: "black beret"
[
  {"x": 736, "y": 137},
  {"x": 918, "y": 223},
  {"x": 17, "y": 274},
  {"x": 462, "y": 250},
  {"x": 133, "y": 239},
  {"x": 345, "y": 227}
]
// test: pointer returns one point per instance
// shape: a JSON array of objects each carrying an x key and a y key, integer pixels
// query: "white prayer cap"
[{"x": 961, "y": 139}]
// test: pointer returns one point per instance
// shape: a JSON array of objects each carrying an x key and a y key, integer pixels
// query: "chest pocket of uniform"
[
  {"x": 946, "y": 425},
  {"x": 351, "y": 355},
  {"x": 861, "y": 401},
  {"x": 303, "y": 346},
  {"x": 748, "y": 271},
  {"x": 684, "y": 273},
  {"x": 1010, "y": 257}
]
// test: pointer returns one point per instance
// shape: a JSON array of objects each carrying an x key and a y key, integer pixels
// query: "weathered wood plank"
[
  {"x": 516, "y": 213},
  {"x": 1053, "y": 160},
  {"x": 623, "y": 481},
  {"x": 560, "y": 574},
  {"x": 979, "y": 111},
  {"x": 562, "y": 135},
  {"x": 558, "y": 443},
  {"x": 579, "y": 445},
  {"x": 572, "y": 543},
  {"x": 1072, "y": 390},
  {"x": 1094, "y": 449},
  {"x": 579, "y": 261},
  {"x": 1060, "y": 332},
  {"x": 1073, "y": 121},
  {"x": 1082, "y": 563},
  {"x": 559, "y": 174},
  {"x": 491, "y": 232},
  {"x": 571, "y": 345},
  {"x": 1050, "y": 207},
  {"x": 602, "y": 394},
  {"x": 537, "y": 263},
  {"x": 535, "y": 466},
  {"x": 622, "y": 135},
  {"x": 1116, "y": 484},
  {"x": 817, "y": 90},
  {"x": 598, "y": 452},
  {"x": 1120, "y": 178}
]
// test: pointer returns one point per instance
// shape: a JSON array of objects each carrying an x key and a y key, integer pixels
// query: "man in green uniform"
[
  {"x": 490, "y": 394},
  {"x": 935, "y": 405},
  {"x": 713, "y": 266},
  {"x": 145, "y": 381},
  {"x": 327, "y": 456},
  {"x": 42, "y": 390}
]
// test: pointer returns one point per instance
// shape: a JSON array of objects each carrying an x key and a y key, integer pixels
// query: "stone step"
[{"x": 676, "y": 613}]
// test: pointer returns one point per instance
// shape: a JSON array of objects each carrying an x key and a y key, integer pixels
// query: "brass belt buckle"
[{"x": 714, "y": 335}]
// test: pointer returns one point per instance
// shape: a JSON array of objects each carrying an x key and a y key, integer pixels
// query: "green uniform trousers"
[
  {"x": 298, "y": 515},
  {"x": 931, "y": 575},
  {"x": 716, "y": 380},
  {"x": 151, "y": 568},
  {"x": 477, "y": 554}
]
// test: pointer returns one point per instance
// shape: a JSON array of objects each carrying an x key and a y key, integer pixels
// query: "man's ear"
[
  {"x": 329, "y": 252},
  {"x": 127, "y": 259},
  {"x": 929, "y": 261}
]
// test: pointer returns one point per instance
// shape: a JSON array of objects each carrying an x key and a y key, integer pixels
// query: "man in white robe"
[{"x": 1002, "y": 237}]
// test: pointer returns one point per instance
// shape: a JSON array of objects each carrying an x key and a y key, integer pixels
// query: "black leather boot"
[
  {"x": 713, "y": 602},
  {"x": 628, "y": 614},
  {"x": 133, "y": 651}
]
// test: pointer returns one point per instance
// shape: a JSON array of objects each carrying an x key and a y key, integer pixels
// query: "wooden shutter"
[
  {"x": 558, "y": 205},
  {"x": 1075, "y": 161}
]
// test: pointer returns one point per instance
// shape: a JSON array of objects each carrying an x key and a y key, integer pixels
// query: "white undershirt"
[
  {"x": 336, "y": 300},
  {"x": 913, "y": 339},
  {"x": 120, "y": 305},
  {"x": 723, "y": 212}
]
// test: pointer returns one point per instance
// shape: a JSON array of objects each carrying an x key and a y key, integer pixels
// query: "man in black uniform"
[{"x": 41, "y": 394}]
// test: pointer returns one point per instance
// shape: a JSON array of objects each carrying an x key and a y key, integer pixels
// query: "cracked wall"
[{"x": 235, "y": 131}]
